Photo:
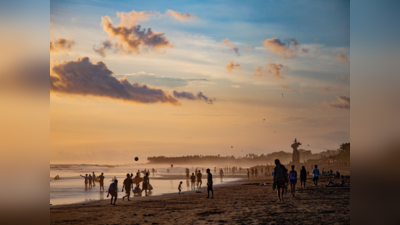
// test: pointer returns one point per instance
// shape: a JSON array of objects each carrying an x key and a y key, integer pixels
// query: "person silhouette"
[{"x": 209, "y": 184}]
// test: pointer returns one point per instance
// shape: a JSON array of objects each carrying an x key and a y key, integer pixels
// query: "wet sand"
[{"x": 239, "y": 202}]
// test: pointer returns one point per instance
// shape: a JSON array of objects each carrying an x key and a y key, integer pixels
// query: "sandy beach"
[{"x": 238, "y": 202}]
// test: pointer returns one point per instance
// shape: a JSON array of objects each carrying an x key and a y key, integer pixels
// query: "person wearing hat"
[
  {"x": 113, "y": 190},
  {"x": 209, "y": 184}
]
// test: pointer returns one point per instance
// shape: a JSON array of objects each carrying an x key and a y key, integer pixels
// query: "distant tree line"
[{"x": 250, "y": 158}]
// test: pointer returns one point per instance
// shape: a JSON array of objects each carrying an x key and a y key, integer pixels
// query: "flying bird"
[
  {"x": 308, "y": 145},
  {"x": 263, "y": 120},
  {"x": 231, "y": 146},
  {"x": 275, "y": 132}
]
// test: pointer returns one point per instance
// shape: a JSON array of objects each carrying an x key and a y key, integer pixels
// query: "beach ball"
[{"x": 136, "y": 158}]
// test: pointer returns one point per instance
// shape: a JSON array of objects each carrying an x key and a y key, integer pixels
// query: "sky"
[{"x": 141, "y": 78}]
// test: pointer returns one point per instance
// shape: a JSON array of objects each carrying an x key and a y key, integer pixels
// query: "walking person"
[
  {"x": 293, "y": 180},
  {"x": 199, "y": 182},
  {"x": 101, "y": 181},
  {"x": 280, "y": 178},
  {"x": 146, "y": 182},
  {"x": 193, "y": 180},
  {"x": 248, "y": 174},
  {"x": 128, "y": 186},
  {"x": 93, "y": 178},
  {"x": 209, "y": 184},
  {"x": 303, "y": 177},
  {"x": 113, "y": 191},
  {"x": 316, "y": 175}
]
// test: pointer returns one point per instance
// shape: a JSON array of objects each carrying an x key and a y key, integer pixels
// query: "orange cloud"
[
  {"x": 342, "y": 55},
  {"x": 258, "y": 72},
  {"x": 82, "y": 77},
  {"x": 230, "y": 45},
  {"x": 61, "y": 44},
  {"x": 232, "y": 66},
  {"x": 275, "y": 69},
  {"x": 181, "y": 16},
  {"x": 130, "y": 37},
  {"x": 274, "y": 45}
]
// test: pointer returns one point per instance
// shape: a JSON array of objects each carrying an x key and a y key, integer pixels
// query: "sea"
[{"x": 70, "y": 188}]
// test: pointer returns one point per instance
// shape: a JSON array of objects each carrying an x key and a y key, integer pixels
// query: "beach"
[{"x": 238, "y": 202}]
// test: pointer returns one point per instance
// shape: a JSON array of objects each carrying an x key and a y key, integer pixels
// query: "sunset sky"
[{"x": 208, "y": 73}]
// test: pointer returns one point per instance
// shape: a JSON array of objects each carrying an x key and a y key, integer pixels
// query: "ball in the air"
[{"x": 136, "y": 158}]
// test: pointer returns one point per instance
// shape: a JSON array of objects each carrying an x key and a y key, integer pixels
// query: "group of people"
[
  {"x": 128, "y": 186},
  {"x": 199, "y": 182},
  {"x": 283, "y": 177},
  {"x": 90, "y": 180},
  {"x": 197, "y": 178}
]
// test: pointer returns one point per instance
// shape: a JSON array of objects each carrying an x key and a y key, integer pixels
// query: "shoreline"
[{"x": 147, "y": 197}]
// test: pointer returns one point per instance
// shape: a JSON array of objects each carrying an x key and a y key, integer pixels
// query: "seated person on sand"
[
  {"x": 341, "y": 184},
  {"x": 137, "y": 190}
]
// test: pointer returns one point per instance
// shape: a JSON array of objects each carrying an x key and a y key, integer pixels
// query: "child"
[
  {"x": 180, "y": 187},
  {"x": 316, "y": 175},
  {"x": 293, "y": 180}
]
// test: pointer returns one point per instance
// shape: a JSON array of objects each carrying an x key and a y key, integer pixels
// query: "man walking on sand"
[
  {"x": 303, "y": 177},
  {"x": 113, "y": 190},
  {"x": 280, "y": 178},
  {"x": 199, "y": 182},
  {"x": 128, "y": 186},
  {"x": 316, "y": 175},
  {"x": 209, "y": 184},
  {"x": 248, "y": 174}
]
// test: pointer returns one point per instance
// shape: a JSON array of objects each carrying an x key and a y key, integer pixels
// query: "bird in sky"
[
  {"x": 263, "y": 120},
  {"x": 275, "y": 132},
  {"x": 231, "y": 146}
]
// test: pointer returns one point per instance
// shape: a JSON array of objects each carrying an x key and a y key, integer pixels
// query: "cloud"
[
  {"x": 181, "y": 16},
  {"x": 61, "y": 44},
  {"x": 230, "y": 45},
  {"x": 342, "y": 55},
  {"x": 249, "y": 48},
  {"x": 274, "y": 45},
  {"x": 232, "y": 66},
  {"x": 191, "y": 96},
  {"x": 130, "y": 37},
  {"x": 158, "y": 81},
  {"x": 342, "y": 102},
  {"x": 258, "y": 72},
  {"x": 101, "y": 49},
  {"x": 324, "y": 90},
  {"x": 275, "y": 69},
  {"x": 284, "y": 87},
  {"x": 235, "y": 86},
  {"x": 82, "y": 77},
  {"x": 345, "y": 77}
]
